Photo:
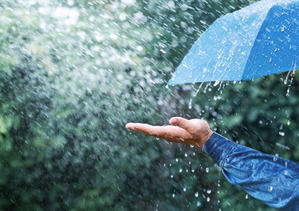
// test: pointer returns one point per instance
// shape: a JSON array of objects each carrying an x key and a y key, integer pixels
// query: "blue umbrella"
[{"x": 258, "y": 40}]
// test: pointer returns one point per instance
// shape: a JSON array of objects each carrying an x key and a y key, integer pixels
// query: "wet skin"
[{"x": 194, "y": 131}]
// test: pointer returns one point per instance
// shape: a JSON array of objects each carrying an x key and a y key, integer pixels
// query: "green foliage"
[{"x": 72, "y": 73}]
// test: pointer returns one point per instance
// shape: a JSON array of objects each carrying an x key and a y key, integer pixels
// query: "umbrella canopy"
[{"x": 258, "y": 40}]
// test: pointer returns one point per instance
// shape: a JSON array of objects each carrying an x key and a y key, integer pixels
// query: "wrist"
[{"x": 206, "y": 137}]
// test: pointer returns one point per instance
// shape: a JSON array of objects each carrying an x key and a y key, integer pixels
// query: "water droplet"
[
  {"x": 171, "y": 4},
  {"x": 184, "y": 189},
  {"x": 270, "y": 188},
  {"x": 181, "y": 170},
  {"x": 198, "y": 204},
  {"x": 173, "y": 195},
  {"x": 207, "y": 170},
  {"x": 209, "y": 191},
  {"x": 246, "y": 196},
  {"x": 216, "y": 83},
  {"x": 208, "y": 199},
  {"x": 196, "y": 194},
  {"x": 281, "y": 133},
  {"x": 190, "y": 104}
]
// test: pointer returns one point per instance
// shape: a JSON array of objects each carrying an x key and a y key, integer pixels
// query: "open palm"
[{"x": 195, "y": 131}]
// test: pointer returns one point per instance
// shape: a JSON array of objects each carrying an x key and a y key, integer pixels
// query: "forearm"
[{"x": 271, "y": 179}]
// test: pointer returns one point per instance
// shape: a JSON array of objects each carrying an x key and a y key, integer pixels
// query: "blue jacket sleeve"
[{"x": 269, "y": 178}]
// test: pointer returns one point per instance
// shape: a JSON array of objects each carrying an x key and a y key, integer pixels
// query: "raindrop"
[
  {"x": 216, "y": 83},
  {"x": 190, "y": 104},
  {"x": 196, "y": 194},
  {"x": 198, "y": 89},
  {"x": 208, "y": 199},
  {"x": 171, "y": 4},
  {"x": 246, "y": 196},
  {"x": 186, "y": 155},
  {"x": 207, "y": 170},
  {"x": 288, "y": 92},
  {"x": 203, "y": 22},
  {"x": 184, "y": 7},
  {"x": 198, "y": 204},
  {"x": 181, "y": 170},
  {"x": 281, "y": 133},
  {"x": 287, "y": 77},
  {"x": 270, "y": 188},
  {"x": 282, "y": 146},
  {"x": 209, "y": 191},
  {"x": 184, "y": 189},
  {"x": 173, "y": 195}
]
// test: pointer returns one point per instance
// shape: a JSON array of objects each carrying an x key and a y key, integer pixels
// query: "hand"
[{"x": 195, "y": 131}]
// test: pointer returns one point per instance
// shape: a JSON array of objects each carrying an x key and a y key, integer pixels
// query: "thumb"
[{"x": 181, "y": 122}]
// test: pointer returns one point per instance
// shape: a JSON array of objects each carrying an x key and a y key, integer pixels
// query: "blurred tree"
[{"x": 72, "y": 73}]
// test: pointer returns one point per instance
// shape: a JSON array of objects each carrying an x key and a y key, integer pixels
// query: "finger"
[
  {"x": 145, "y": 128},
  {"x": 181, "y": 122},
  {"x": 170, "y": 133}
]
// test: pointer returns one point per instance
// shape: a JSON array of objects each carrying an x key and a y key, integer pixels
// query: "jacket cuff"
[{"x": 218, "y": 148}]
